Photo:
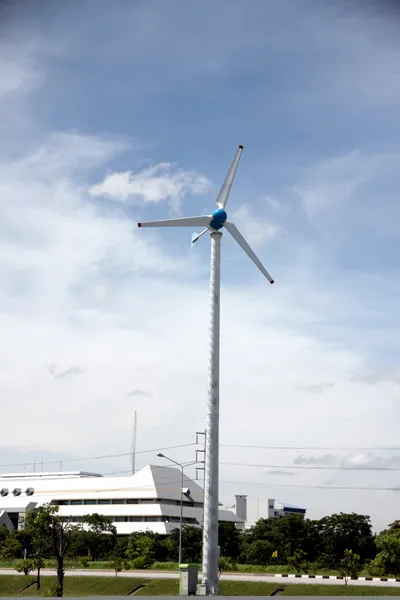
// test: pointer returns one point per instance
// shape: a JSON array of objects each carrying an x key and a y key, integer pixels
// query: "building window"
[
  {"x": 104, "y": 501},
  {"x": 76, "y": 502},
  {"x": 190, "y": 520},
  {"x": 271, "y": 506},
  {"x": 120, "y": 519},
  {"x": 89, "y": 502},
  {"x": 132, "y": 501},
  {"x": 118, "y": 501},
  {"x": 135, "y": 519},
  {"x": 61, "y": 502}
]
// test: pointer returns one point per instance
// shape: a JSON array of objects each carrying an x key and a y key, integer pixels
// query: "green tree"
[
  {"x": 258, "y": 552},
  {"x": 12, "y": 547},
  {"x": 298, "y": 561},
  {"x": 37, "y": 529},
  {"x": 100, "y": 534},
  {"x": 4, "y": 533},
  {"x": 350, "y": 565},
  {"x": 287, "y": 535},
  {"x": 387, "y": 561},
  {"x": 191, "y": 544},
  {"x": 61, "y": 533},
  {"x": 229, "y": 540},
  {"x": 341, "y": 532},
  {"x": 25, "y": 566},
  {"x": 116, "y": 564},
  {"x": 141, "y": 545}
]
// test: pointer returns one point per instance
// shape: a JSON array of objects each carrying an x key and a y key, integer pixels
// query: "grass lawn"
[
  {"x": 10, "y": 585},
  {"x": 338, "y": 590},
  {"x": 159, "y": 587},
  {"x": 73, "y": 586},
  {"x": 247, "y": 588}
]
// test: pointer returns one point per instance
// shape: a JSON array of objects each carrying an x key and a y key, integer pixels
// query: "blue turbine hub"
[{"x": 219, "y": 217}]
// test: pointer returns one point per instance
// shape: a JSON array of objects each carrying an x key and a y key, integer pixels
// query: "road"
[{"x": 225, "y": 576}]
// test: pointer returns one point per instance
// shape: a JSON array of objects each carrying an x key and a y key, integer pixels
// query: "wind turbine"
[{"x": 213, "y": 223}]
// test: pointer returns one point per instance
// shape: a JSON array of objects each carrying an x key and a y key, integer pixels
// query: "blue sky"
[{"x": 114, "y": 113}]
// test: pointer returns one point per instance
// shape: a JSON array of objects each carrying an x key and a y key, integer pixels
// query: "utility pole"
[{"x": 200, "y": 454}]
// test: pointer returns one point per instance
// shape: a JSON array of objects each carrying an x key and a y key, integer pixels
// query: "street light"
[{"x": 161, "y": 455}]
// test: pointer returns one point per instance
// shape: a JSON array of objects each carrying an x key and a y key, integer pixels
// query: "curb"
[
  {"x": 235, "y": 574},
  {"x": 296, "y": 576}
]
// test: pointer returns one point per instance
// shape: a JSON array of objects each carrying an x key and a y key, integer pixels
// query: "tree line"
[{"x": 339, "y": 541}]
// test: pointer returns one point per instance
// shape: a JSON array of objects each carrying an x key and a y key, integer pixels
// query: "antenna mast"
[{"x": 134, "y": 442}]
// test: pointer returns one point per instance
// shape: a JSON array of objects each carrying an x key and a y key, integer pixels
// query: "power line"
[
  {"x": 319, "y": 487},
  {"x": 105, "y": 456},
  {"x": 239, "y": 446},
  {"x": 311, "y": 467},
  {"x": 264, "y": 483},
  {"x": 337, "y": 448}
]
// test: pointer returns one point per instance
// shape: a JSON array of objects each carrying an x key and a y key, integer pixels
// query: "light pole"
[{"x": 161, "y": 455}]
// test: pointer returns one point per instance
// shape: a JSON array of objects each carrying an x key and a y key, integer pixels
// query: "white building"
[
  {"x": 281, "y": 509},
  {"x": 148, "y": 500}
]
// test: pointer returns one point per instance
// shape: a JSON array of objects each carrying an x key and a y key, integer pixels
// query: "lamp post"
[{"x": 161, "y": 455}]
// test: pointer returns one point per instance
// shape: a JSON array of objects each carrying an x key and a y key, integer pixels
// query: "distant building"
[
  {"x": 149, "y": 500},
  {"x": 241, "y": 511},
  {"x": 281, "y": 509}
]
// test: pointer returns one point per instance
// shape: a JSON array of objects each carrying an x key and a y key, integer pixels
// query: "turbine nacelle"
[{"x": 218, "y": 220}]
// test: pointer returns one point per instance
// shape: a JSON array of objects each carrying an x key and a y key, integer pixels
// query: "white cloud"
[
  {"x": 152, "y": 185},
  {"x": 17, "y": 71},
  {"x": 353, "y": 460},
  {"x": 333, "y": 182},
  {"x": 257, "y": 230}
]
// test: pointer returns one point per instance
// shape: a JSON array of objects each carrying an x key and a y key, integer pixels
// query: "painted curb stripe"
[{"x": 303, "y": 576}]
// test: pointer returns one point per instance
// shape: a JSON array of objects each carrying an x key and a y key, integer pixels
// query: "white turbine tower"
[{"x": 213, "y": 223}]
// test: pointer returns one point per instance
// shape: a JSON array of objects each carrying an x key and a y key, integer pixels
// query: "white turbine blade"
[
  {"x": 204, "y": 220},
  {"x": 235, "y": 233},
  {"x": 196, "y": 236},
  {"x": 226, "y": 188}
]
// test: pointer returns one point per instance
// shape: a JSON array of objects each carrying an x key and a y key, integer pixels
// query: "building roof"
[
  {"x": 134, "y": 502},
  {"x": 152, "y": 481},
  {"x": 48, "y": 475},
  {"x": 286, "y": 505},
  {"x": 229, "y": 516}
]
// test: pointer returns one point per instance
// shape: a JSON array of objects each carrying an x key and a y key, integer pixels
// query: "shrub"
[
  {"x": 298, "y": 561},
  {"x": 84, "y": 561},
  {"x": 350, "y": 565},
  {"x": 25, "y": 566},
  {"x": 141, "y": 562},
  {"x": 116, "y": 564},
  {"x": 226, "y": 564}
]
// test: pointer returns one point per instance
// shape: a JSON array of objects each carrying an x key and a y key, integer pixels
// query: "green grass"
[
  {"x": 338, "y": 590},
  {"x": 10, "y": 585},
  {"x": 159, "y": 587},
  {"x": 164, "y": 566},
  {"x": 247, "y": 588},
  {"x": 73, "y": 586}
]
